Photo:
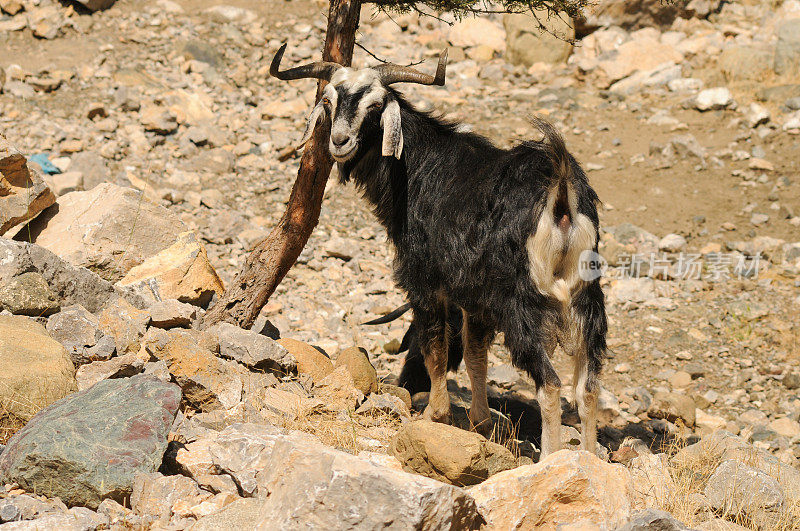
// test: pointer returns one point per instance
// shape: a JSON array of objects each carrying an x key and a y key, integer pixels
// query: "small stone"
[
  {"x": 653, "y": 519},
  {"x": 791, "y": 380},
  {"x": 714, "y": 99},
  {"x": 357, "y": 362},
  {"x": 254, "y": 350},
  {"x": 384, "y": 404},
  {"x": 158, "y": 120},
  {"x": 673, "y": 406},
  {"x": 172, "y": 314},
  {"x": 672, "y": 243},
  {"x": 622, "y": 368},
  {"x": 759, "y": 219},
  {"x": 64, "y": 183}
]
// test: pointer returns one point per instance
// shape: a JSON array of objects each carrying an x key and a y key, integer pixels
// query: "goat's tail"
[
  {"x": 562, "y": 233},
  {"x": 553, "y": 144}
]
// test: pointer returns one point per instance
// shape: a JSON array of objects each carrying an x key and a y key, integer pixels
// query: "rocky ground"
[{"x": 139, "y": 152}]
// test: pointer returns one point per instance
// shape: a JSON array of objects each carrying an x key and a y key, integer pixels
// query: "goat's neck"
[{"x": 384, "y": 181}]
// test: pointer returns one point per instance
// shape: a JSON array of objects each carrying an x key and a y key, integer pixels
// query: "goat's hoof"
[
  {"x": 436, "y": 416},
  {"x": 482, "y": 425}
]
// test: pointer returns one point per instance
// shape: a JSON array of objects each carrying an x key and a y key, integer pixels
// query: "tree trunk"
[{"x": 273, "y": 256}]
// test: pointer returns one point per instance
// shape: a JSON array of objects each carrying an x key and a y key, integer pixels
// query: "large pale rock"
[
  {"x": 735, "y": 487},
  {"x": 23, "y": 193},
  {"x": 309, "y": 360},
  {"x": 90, "y": 445},
  {"x": 527, "y": 44},
  {"x": 315, "y": 486},
  {"x": 108, "y": 229},
  {"x": 36, "y": 369},
  {"x": 567, "y": 487},
  {"x": 633, "y": 14},
  {"x": 337, "y": 391},
  {"x": 640, "y": 54},
  {"x": 242, "y": 450},
  {"x": 70, "y": 284},
  {"x": 357, "y": 363},
  {"x": 181, "y": 271},
  {"x": 449, "y": 454},
  {"x": 125, "y": 323},
  {"x": 478, "y": 32},
  {"x": 722, "y": 445},
  {"x": 254, "y": 350},
  {"x": 156, "y": 495}
]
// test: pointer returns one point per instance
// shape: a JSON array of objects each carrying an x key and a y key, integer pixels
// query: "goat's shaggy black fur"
[{"x": 459, "y": 211}]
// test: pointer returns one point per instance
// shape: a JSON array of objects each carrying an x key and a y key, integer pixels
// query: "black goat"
[{"x": 497, "y": 233}]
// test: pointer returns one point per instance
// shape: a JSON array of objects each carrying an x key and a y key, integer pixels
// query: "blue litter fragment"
[{"x": 42, "y": 160}]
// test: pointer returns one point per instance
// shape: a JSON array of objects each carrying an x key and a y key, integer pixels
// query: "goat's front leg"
[
  {"x": 433, "y": 342},
  {"x": 476, "y": 338}
]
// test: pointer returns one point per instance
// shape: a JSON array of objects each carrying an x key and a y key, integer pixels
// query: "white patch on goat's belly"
[{"x": 554, "y": 254}]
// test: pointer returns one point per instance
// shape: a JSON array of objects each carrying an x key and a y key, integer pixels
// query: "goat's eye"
[
  {"x": 376, "y": 105},
  {"x": 326, "y": 101}
]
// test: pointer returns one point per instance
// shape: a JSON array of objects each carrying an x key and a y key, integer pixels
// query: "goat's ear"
[
  {"x": 317, "y": 114},
  {"x": 392, "y": 131}
]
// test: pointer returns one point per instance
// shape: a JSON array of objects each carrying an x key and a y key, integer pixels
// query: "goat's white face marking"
[{"x": 348, "y": 98}]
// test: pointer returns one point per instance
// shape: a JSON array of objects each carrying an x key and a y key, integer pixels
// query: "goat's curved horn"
[
  {"x": 319, "y": 70},
  {"x": 404, "y": 74}
]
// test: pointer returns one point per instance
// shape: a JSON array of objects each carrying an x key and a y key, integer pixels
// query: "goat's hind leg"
[
  {"x": 433, "y": 342},
  {"x": 476, "y": 338},
  {"x": 584, "y": 337},
  {"x": 535, "y": 359}
]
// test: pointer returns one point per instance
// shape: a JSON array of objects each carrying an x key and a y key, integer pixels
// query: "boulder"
[
  {"x": 254, "y": 350},
  {"x": 23, "y": 193},
  {"x": 634, "y": 14},
  {"x": 124, "y": 366},
  {"x": 242, "y": 450},
  {"x": 355, "y": 359},
  {"x": 208, "y": 382},
  {"x": 90, "y": 446},
  {"x": 787, "y": 50},
  {"x": 36, "y": 369},
  {"x": 722, "y": 446},
  {"x": 125, "y": 323},
  {"x": 449, "y": 454},
  {"x": 337, "y": 391},
  {"x": 736, "y": 488},
  {"x": 641, "y": 54},
  {"x": 28, "y": 294},
  {"x": 158, "y": 496},
  {"x": 70, "y": 284},
  {"x": 309, "y": 359},
  {"x": 567, "y": 487},
  {"x": 527, "y": 43},
  {"x": 745, "y": 63},
  {"x": 109, "y": 229},
  {"x": 318, "y": 486},
  {"x": 182, "y": 271},
  {"x": 477, "y": 32}
]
